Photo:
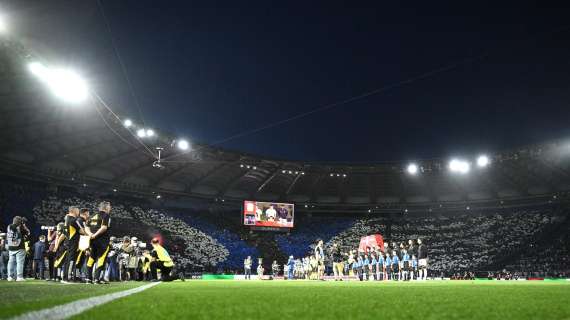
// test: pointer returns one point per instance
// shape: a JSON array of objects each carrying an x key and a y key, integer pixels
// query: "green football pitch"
[{"x": 227, "y": 299}]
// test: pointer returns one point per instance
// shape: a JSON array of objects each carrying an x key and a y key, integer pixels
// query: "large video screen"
[{"x": 268, "y": 214}]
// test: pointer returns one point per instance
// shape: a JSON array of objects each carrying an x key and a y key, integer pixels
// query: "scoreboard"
[{"x": 268, "y": 214}]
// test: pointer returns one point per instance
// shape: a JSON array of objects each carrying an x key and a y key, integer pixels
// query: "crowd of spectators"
[
  {"x": 199, "y": 250},
  {"x": 530, "y": 241},
  {"x": 467, "y": 242}
]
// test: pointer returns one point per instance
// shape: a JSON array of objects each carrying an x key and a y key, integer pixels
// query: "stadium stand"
[{"x": 530, "y": 240}]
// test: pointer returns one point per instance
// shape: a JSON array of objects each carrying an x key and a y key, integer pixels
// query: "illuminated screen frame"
[{"x": 252, "y": 212}]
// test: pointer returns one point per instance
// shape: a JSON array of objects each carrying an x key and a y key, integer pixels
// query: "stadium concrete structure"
[{"x": 89, "y": 146}]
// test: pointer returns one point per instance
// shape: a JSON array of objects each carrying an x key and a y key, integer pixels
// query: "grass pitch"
[{"x": 305, "y": 300}]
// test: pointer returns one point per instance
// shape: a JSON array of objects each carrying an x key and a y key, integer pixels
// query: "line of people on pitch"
[
  {"x": 378, "y": 266},
  {"x": 398, "y": 263}
]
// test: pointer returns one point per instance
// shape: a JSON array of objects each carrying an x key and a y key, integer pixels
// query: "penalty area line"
[{"x": 67, "y": 310}]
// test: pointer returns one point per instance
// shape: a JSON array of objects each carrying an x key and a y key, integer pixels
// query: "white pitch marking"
[{"x": 76, "y": 307}]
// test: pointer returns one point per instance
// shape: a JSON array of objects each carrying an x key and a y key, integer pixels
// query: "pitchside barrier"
[{"x": 351, "y": 278}]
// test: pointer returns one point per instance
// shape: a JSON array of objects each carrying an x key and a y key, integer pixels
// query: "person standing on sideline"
[
  {"x": 291, "y": 268},
  {"x": 260, "y": 268},
  {"x": 247, "y": 267},
  {"x": 3, "y": 259},
  {"x": 16, "y": 248},
  {"x": 406, "y": 264},
  {"x": 395, "y": 266},
  {"x": 338, "y": 263},
  {"x": 39, "y": 256},
  {"x": 422, "y": 260}
]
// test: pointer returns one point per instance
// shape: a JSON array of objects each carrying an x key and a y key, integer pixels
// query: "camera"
[{"x": 49, "y": 228}]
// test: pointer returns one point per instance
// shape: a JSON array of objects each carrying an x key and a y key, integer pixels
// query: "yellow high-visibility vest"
[{"x": 163, "y": 255}]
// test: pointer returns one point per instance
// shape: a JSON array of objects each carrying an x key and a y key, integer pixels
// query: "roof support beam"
[
  {"x": 290, "y": 188},
  {"x": 314, "y": 187},
  {"x": 233, "y": 182},
  {"x": 269, "y": 178}
]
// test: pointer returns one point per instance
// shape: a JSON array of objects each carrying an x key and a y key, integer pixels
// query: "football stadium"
[{"x": 121, "y": 199}]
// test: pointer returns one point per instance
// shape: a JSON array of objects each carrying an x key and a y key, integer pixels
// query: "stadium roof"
[{"x": 88, "y": 144}]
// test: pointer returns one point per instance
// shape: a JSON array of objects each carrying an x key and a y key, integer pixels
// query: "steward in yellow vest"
[{"x": 160, "y": 260}]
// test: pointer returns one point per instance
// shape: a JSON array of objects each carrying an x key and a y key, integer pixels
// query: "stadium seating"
[{"x": 531, "y": 240}]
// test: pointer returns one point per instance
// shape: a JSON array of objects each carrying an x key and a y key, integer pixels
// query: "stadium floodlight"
[
  {"x": 459, "y": 166},
  {"x": 3, "y": 25},
  {"x": 482, "y": 161},
  {"x": 141, "y": 133},
  {"x": 38, "y": 70},
  {"x": 412, "y": 168},
  {"x": 127, "y": 123},
  {"x": 64, "y": 83},
  {"x": 67, "y": 85},
  {"x": 149, "y": 133},
  {"x": 184, "y": 145}
]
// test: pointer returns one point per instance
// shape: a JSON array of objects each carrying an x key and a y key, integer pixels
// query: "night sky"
[{"x": 211, "y": 70}]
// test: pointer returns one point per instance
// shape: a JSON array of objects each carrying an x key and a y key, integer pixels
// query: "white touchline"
[{"x": 76, "y": 307}]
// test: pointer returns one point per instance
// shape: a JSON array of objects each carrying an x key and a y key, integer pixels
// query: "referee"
[{"x": 98, "y": 228}]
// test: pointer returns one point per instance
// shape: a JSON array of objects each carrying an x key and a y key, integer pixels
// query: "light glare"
[
  {"x": 482, "y": 161},
  {"x": 38, "y": 70},
  {"x": 63, "y": 83},
  {"x": 3, "y": 26},
  {"x": 128, "y": 123},
  {"x": 184, "y": 145},
  {"x": 149, "y": 133},
  {"x": 141, "y": 133},
  {"x": 459, "y": 166},
  {"x": 67, "y": 85},
  {"x": 412, "y": 168}
]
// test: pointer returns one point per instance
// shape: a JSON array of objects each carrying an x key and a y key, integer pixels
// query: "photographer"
[
  {"x": 15, "y": 235},
  {"x": 133, "y": 259},
  {"x": 98, "y": 227},
  {"x": 51, "y": 239},
  {"x": 3, "y": 257},
  {"x": 112, "y": 260},
  {"x": 160, "y": 260},
  {"x": 59, "y": 252}
]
